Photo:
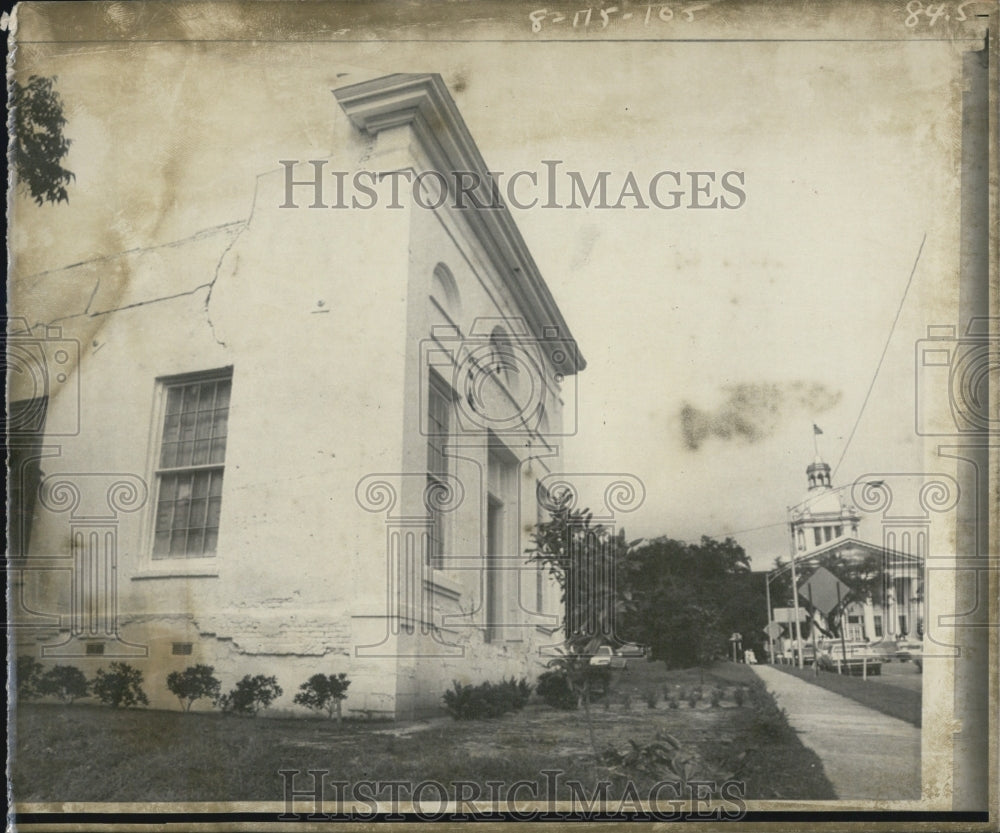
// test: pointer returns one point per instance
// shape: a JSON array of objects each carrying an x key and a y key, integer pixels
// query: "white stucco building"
[{"x": 304, "y": 441}]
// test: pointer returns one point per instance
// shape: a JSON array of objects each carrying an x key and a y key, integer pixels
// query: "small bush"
[
  {"x": 692, "y": 700},
  {"x": 324, "y": 693},
  {"x": 471, "y": 702},
  {"x": 250, "y": 695},
  {"x": 919, "y": 662},
  {"x": 672, "y": 703},
  {"x": 769, "y": 720},
  {"x": 652, "y": 697},
  {"x": 65, "y": 682},
  {"x": 29, "y": 675},
  {"x": 739, "y": 695},
  {"x": 554, "y": 688},
  {"x": 120, "y": 686},
  {"x": 193, "y": 683}
]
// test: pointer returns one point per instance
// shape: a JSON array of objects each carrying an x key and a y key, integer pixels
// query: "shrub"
[
  {"x": 250, "y": 695},
  {"x": 652, "y": 697},
  {"x": 66, "y": 682},
  {"x": 672, "y": 703},
  {"x": 739, "y": 695},
  {"x": 324, "y": 693},
  {"x": 120, "y": 686},
  {"x": 554, "y": 688},
  {"x": 769, "y": 719},
  {"x": 470, "y": 702},
  {"x": 29, "y": 675},
  {"x": 193, "y": 683}
]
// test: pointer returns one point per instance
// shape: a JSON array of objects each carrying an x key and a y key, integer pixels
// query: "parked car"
[{"x": 631, "y": 651}]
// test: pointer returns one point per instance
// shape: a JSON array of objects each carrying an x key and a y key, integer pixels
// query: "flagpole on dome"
[{"x": 816, "y": 432}]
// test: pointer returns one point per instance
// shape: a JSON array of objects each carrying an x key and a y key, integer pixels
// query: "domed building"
[{"x": 868, "y": 597}]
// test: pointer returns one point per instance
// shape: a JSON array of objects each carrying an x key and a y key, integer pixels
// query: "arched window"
[{"x": 444, "y": 290}]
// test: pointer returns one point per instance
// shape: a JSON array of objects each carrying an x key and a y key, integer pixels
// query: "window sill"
[{"x": 178, "y": 571}]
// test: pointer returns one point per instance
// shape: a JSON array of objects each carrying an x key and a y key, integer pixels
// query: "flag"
[{"x": 817, "y": 429}]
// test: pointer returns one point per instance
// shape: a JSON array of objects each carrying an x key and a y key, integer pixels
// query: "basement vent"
[
  {"x": 95, "y": 649},
  {"x": 182, "y": 649}
]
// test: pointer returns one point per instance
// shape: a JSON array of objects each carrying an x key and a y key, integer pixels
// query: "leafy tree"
[
  {"x": 29, "y": 674},
  {"x": 324, "y": 693},
  {"x": 250, "y": 695},
  {"x": 583, "y": 559},
  {"x": 686, "y": 599},
  {"x": 193, "y": 683},
  {"x": 120, "y": 685},
  {"x": 38, "y": 144},
  {"x": 66, "y": 682}
]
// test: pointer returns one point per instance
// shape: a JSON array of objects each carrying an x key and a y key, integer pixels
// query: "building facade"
[
  {"x": 311, "y": 440},
  {"x": 882, "y": 586}
]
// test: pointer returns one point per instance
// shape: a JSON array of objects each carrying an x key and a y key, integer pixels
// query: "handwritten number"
[
  {"x": 914, "y": 7},
  {"x": 934, "y": 12},
  {"x": 689, "y": 11}
]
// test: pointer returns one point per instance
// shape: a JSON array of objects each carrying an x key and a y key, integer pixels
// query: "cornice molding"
[{"x": 423, "y": 103}]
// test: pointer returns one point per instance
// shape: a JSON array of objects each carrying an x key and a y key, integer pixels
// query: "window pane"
[
  {"x": 215, "y": 487},
  {"x": 168, "y": 456},
  {"x": 200, "y": 455},
  {"x": 178, "y": 543},
  {"x": 164, "y": 516},
  {"x": 190, "y": 398},
  {"x": 206, "y": 401},
  {"x": 188, "y": 422},
  {"x": 218, "y": 453},
  {"x": 171, "y": 427},
  {"x": 211, "y": 540},
  {"x": 204, "y": 428},
  {"x": 174, "y": 397},
  {"x": 162, "y": 544},
  {"x": 197, "y": 517},
  {"x": 214, "y": 510},
  {"x": 201, "y": 484},
  {"x": 195, "y": 542}
]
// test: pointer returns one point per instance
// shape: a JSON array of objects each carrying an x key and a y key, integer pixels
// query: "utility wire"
[{"x": 885, "y": 350}]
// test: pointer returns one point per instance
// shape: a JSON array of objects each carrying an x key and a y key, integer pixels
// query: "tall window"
[
  {"x": 190, "y": 466},
  {"x": 438, "y": 426}
]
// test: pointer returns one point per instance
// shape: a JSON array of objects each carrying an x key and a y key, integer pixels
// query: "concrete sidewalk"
[{"x": 865, "y": 754}]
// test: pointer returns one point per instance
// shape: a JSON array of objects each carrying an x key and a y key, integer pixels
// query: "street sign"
[
  {"x": 773, "y": 630},
  {"x": 787, "y": 614},
  {"x": 822, "y": 590}
]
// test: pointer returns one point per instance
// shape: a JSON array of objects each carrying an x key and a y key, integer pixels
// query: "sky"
[{"x": 715, "y": 339}]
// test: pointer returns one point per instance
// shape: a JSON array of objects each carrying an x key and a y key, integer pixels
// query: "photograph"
[{"x": 482, "y": 412}]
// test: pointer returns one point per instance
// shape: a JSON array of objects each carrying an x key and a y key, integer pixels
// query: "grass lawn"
[
  {"x": 894, "y": 693},
  {"x": 93, "y": 753}
]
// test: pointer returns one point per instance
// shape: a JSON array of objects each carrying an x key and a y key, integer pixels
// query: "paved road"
[{"x": 865, "y": 754}]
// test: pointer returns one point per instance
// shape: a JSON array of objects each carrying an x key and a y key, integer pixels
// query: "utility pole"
[{"x": 795, "y": 592}]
